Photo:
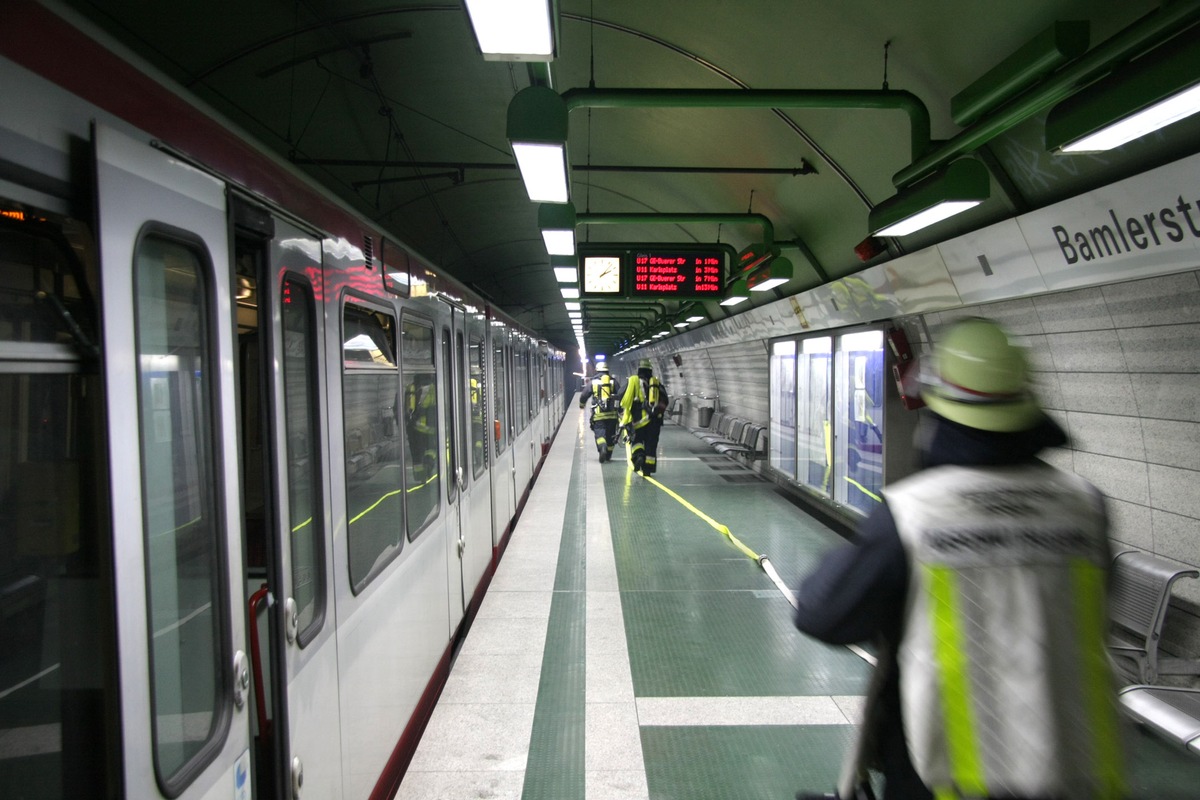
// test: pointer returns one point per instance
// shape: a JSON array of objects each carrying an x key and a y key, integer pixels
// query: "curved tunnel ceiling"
[{"x": 391, "y": 106}]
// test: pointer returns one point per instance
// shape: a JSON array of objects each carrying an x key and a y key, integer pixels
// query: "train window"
[
  {"x": 858, "y": 421},
  {"x": 303, "y": 435},
  {"x": 370, "y": 421},
  {"x": 783, "y": 407},
  {"x": 500, "y": 377},
  {"x": 180, "y": 508},
  {"x": 58, "y": 690},
  {"x": 419, "y": 381},
  {"x": 479, "y": 447},
  {"x": 448, "y": 444},
  {"x": 520, "y": 387}
]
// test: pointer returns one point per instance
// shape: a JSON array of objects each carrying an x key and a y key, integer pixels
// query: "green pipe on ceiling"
[
  {"x": 886, "y": 99},
  {"x": 760, "y": 220},
  {"x": 1132, "y": 41}
]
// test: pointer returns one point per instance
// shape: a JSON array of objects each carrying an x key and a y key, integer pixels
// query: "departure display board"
[
  {"x": 653, "y": 271},
  {"x": 673, "y": 272}
]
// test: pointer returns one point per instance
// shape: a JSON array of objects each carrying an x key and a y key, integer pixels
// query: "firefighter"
[
  {"x": 603, "y": 393},
  {"x": 982, "y": 579},
  {"x": 642, "y": 410}
]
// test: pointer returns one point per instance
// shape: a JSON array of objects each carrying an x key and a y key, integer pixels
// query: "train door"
[
  {"x": 59, "y": 724},
  {"x": 184, "y": 676},
  {"x": 292, "y": 651},
  {"x": 455, "y": 480},
  {"x": 474, "y": 532}
]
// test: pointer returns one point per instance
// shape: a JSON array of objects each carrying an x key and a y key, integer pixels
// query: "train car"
[{"x": 259, "y": 458}]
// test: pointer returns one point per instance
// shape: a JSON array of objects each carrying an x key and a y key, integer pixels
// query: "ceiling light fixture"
[
  {"x": 514, "y": 30},
  {"x": 951, "y": 190},
  {"x": 1152, "y": 92},
  {"x": 566, "y": 268},
  {"x": 737, "y": 292},
  {"x": 768, "y": 276},
  {"x": 569, "y": 292},
  {"x": 557, "y": 223},
  {"x": 537, "y": 132}
]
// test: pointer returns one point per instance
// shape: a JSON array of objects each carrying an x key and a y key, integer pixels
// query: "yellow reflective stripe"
[
  {"x": 864, "y": 490},
  {"x": 1087, "y": 585},
  {"x": 374, "y": 505},
  {"x": 949, "y": 652}
]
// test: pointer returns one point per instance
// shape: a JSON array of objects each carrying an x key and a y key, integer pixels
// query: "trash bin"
[{"x": 705, "y": 417}]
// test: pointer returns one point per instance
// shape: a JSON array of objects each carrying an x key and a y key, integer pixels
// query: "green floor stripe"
[{"x": 554, "y": 769}]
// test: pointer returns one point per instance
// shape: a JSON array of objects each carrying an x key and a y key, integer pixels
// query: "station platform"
[{"x": 627, "y": 649}]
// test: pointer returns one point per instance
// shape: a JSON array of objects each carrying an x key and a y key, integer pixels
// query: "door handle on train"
[
  {"x": 461, "y": 478},
  {"x": 241, "y": 679},
  {"x": 291, "y": 619},
  {"x": 297, "y": 777}
]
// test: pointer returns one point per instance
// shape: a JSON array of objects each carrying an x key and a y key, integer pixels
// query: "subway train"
[{"x": 259, "y": 459}]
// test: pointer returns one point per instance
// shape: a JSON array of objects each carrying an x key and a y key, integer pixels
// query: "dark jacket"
[{"x": 857, "y": 593}]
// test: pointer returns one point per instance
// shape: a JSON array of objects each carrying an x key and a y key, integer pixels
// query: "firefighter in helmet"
[
  {"x": 642, "y": 410},
  {"x": 603, "y": 393}
]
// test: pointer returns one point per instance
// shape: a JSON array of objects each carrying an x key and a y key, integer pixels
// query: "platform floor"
[{"x": 627, "y": 650}]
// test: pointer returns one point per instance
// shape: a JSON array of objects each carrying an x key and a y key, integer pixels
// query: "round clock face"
[{"x": 602, "y": 274}]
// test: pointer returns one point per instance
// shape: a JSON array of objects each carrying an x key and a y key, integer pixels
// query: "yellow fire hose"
[{"x": 763, "y": 562}]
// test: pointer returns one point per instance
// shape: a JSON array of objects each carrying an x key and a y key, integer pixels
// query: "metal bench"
[
  {"x": 1138, "y": 601},
  {"x": 1173, "y": 712}
]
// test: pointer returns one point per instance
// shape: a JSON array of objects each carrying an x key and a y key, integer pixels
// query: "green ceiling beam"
[
  {"x": 1151, "y": 29},
  {"x": 887, "y": 100},
  {"x": 760, "y": 220}
]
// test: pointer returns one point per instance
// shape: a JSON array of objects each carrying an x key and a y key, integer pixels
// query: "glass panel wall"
[
  {"x": 814, "y": 452},
  {"x": 827, "y": 395},
  {"x": 859, "y": 434},
  {"x": 783, "y": 407}
]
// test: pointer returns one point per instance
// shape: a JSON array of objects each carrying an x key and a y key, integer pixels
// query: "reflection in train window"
[
  {"x": 421, "y": 479},
  {"x": 448, "y": 444},
  {"x": 58, "y": 718},
  {"x": 500, "y": 394},
  {"x": 370, "y": 419},
  {"x": 303, "y": 520},
  {"x": 479, "y": 447},
  {"x": 183, "y": 527},
  {"x": 521, "y": 387}
]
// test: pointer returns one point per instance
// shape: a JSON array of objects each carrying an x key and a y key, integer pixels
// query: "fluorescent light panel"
[
  {"x": 695, "y": 319},
  {"x": 572, "y": 306},
  {"x": 1159, "y": 115},
  {"x": 566, "y": 274},
  {"x": 513, "y": 28},
  {"x": 733, "y": 300},
  {"x": 682, "y": 324},
  {"x": 544, "y": 170},
  {"x": 769, "y": 283},
  {"x": 559, "y": 242},
  {"x": 569, "y": 292},
  {"x": 916, "y": 222}
]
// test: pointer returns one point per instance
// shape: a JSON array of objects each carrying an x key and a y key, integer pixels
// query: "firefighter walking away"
[{"x": 603, "y": 393}]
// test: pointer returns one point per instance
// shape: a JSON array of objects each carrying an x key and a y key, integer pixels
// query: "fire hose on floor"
[{"x": 763, "y": 562}]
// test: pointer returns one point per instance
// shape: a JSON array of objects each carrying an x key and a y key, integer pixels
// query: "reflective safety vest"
[
  {"x": 604, "y": 404},
  {"x": 1005, "y": 684},
  {"x": 644, "y": 399}
]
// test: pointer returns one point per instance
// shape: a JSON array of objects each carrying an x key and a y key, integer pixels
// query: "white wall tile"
[
  {"x": 1105, "y": 434},
  {"x": 1081, "y": 310},
  {"x": 1167, "y": 348},
  {"x": 1174, "y": 490},
  {"x": 1121, "y": 478},
  {"x": 1172, "y": 443},
  {"x": 1167, "y": 300}
]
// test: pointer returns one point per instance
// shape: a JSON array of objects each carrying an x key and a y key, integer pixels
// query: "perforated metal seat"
[{"x": 1140, "y": 595}]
